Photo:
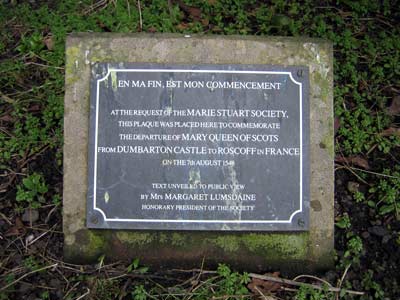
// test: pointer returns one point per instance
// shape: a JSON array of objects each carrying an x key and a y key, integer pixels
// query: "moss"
[
  {"x": 178, "y": 239},
  {"x": 229, "y": 243},
  {"x": 323, "y": 84},
  {"x": 102, "y": 55},
  {"x": 328, "y": 142},
  {"x": 90, "y": 242},
  {"x": 71, "y": 72},
  {"x": 280, "y": 245},
  {"x": 114, "y": 81},
  {"x": 269, "y": 246},
  {"x": 135, "y": 238},
  {"x": 163, "y": 238}
]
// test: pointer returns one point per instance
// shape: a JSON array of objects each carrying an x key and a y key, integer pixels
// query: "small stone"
[
  {"x": 29, "y": 239},
  {"x": 352, "y": 186},
  {"x": 330, "y": 276},
  {"x": 386, "y": 239},
  {"x": 30, "y": 215},
  {"x": 59, "y": 294},
  {"x": 365, "y": 235},
  {"x": 55, "y": 283},
  {"x": 24, "y": 287},
  {"x": 378, "y": 230}
]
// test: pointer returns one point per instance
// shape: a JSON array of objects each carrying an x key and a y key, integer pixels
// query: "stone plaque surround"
[{"x": 288, "y": 251}]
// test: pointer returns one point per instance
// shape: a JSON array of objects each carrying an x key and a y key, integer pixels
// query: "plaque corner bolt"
[
  {"x": 300, "y": 73},
  {"x": 94, "y": 220}
]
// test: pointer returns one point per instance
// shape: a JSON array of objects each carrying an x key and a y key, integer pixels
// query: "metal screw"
[
  {"x": 300, "y": 73},
  {"x": 94, "y": 220}
]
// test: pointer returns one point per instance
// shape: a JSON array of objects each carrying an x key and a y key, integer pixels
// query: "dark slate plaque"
[{"x": 202, "y": 147}]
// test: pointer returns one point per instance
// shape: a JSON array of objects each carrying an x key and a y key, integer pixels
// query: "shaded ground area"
[{"x": 366, "y": 42}]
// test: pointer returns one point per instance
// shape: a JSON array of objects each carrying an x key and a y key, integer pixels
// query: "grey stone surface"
[{"x": 291, "y": 251}]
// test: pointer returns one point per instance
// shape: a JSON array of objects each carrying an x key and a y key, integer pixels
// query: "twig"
[
  {"x": 43, "y": 65},
  {"x": 6, "y": 98},
  {"x": 40, "y": 236},
  {"x": 194, "y": 270},
  {"x": 197, "y": 278},
  {"x": 231, "y": 296},
  {"x": 123, "y": 292},
  {"x": 289, "y": 289},
  {"x": 375, "y": 173},
  {"x": 71, "y": 289},
  {"x": 341, "y": 279},
  {"x": 129, "y": 8},
  {"x": 205, "y": 282},
  {"x": 358, "y": 169},
  {"x": 295, "y": 283},
  {"x": 5, "y": 218},
  {"x": 50, "y": 213},
  {"x": 84, "y": 295},
  {"x": 351, "y": 171},
  {"x": 26, "y": 275},
  {"x": 170, "y": 8},
  {"x": 312, "y": 277},
  {"x": 98, "y": 5},
  {"x": 140, "y": 16},
  {"x": 261, "y": 294}
]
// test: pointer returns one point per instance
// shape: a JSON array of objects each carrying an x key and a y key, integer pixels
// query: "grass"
[{"x": 366, "y": 42}]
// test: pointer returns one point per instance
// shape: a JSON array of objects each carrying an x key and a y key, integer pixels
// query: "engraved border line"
[{"x": 198, "y": 71}]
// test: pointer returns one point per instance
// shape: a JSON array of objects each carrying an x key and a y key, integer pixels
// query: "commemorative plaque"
[{"x": 198, "y": 147}]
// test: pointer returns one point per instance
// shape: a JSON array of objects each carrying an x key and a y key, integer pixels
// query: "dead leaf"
[
  {"x": 152, "y": 30},
  {"x": 6, "y": 118},
  {"x": 353, "y": 160},
  {"x": 391, "y": 131},
  {"x": 359, "y": 161},
  {"x": 336, "y": 124},
  {"x": 182, "y": 26},
  {"x": 192, "y": 11},
  {"x": 33, "y": 108},
  {"x": 6, "y": 98},
  {"x": 353, "y": 187},
  {"x": 17, "y": 229},
  {"x": 394, "y": 108},
  {"x": 12, "y": 231},
  {"x": 258, "y": 285},
  {"x": 49, "y": 42},
  {"x": 205, "y": 22},
  {"x": 18, "y": 223}
]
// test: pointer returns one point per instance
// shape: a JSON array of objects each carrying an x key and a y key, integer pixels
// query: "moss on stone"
[
  {"x": 72, "y": 54},
  {"x": 324, "y": 86},
  {"x": 114, "y": 80},
  {"x": 280, "y": 245},
  {"x": 90, "y": 242},
  {"x": 178, "y": 239},
  {"x": 135, "y": 238},
  {"x": 329, "y": 145},
  {"x": 163, "y": 238},
  {"x": 228, "y": 243},
  {"x": 269, "y": 246}
]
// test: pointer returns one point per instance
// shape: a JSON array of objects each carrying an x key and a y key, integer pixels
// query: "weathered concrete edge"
[{"x": 310, "y": 251}]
